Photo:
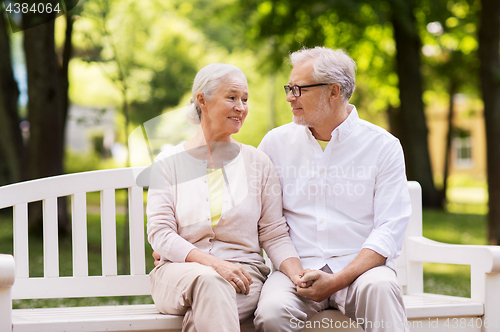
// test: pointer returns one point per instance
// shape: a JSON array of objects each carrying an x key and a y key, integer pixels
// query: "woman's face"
[{"x": 225, "y": 112}]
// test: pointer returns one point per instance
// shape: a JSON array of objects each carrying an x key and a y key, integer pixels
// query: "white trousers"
[
  {"x": 208, "y": 302},
  {"x": 374, "y": 300}
]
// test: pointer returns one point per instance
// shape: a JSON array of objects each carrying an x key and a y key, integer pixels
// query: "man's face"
[{"x": 311, "y": 108}]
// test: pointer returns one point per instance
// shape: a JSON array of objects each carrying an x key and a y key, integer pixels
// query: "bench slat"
[
  {"x": 92, "y": 286},
  {"x": 50, "y": 238},
  {"x": 108, "y": 233},
  {"x": 68, "y": 184},
  {"x": 113, "y": 318},
  {"x": 146, "y": 317},
  {"x": 423, "y": 305},
  {"x": 21, "y": 252},
  {"x": 79, "y": 234},
  {"x": 136, "y": 224}
]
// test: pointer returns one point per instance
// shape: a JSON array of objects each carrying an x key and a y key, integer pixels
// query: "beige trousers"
[
  {"x": 207, "y": 301},
  {"x": 374, "y": 300}
]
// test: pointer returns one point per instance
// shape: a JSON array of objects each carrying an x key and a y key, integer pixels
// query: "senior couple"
[{"x": 324, "y": 196}]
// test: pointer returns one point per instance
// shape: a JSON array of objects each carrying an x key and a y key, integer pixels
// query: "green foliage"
[
  {"x": 147, "y": 51},
  {"x": 448, "y": 31},
  {"x": 359, "y": 27}
]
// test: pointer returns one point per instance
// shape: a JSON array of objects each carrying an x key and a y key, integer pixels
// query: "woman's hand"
[
  {"x": 294, "y": 270},
  {"x": 156, "y": 257},
  {"x": 236, "y": 275}
]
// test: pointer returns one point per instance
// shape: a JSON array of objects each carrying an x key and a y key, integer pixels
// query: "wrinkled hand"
[
  {"x": 157, "y": 258},
  {"x": 320, "y": 285},
  {"x": 236, "y": 275}
]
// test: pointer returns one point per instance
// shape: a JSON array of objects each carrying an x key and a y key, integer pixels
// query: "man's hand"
[
  {"x": 321, "y": 285},
  {"x": 157, "y": 258},
  {"x": 325, "y": 285},
  {"x": 299, "y": 281}
]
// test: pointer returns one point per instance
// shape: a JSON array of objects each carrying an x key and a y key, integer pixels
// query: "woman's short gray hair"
[
  {"x": 208, "y": 81},
  {"x": 330, "y": 66}
]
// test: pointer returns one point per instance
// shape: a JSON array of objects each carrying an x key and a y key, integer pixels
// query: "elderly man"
[{"x": 345, "y": 199}]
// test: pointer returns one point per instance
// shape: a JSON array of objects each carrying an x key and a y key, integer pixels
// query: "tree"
[
  {"x": 410, "y": 117},
  {"x": 47, "y": 107},
  {"x": 448, "y": 33},
  {"x": 489, "y": 55},
  {"x": 11, "y": 143}
]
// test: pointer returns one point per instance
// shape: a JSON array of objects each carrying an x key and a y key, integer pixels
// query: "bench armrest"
[
  {"x": 7, "y": 271},
  {"x": 484, "y": 264},
  {"x": 421, "y": 249}
]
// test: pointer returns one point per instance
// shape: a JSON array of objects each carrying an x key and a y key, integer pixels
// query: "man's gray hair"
[
  {"x": 330, "y": 66},
  {"x": 208, "y": 81}
]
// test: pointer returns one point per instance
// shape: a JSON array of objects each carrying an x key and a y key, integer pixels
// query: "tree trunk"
[
  {"x": 411, "y": 117},
  {"x": 489, "y": 56},
  {"x": 11, "y": 141},
  {"x": 449, "y": 135},
  {"x": 46, "y": 112}
]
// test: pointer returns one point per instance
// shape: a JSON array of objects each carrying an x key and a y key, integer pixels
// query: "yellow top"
[
  {"x": 215, "y": 182},
  {"x": 323, "y": 144}
]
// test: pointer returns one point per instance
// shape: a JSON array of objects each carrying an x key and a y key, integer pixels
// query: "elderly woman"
[{"x": 213, "y": 203}]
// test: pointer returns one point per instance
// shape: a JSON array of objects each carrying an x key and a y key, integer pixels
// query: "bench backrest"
[
  {"x": 81, "y": 284},
  {"x": 51, "y": 285}
]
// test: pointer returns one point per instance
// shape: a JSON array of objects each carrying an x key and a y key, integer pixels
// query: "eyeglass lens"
[{"x": 295, "y": 90}]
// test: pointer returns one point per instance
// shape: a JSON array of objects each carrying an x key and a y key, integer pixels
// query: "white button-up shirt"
[{"x": 351, "y": 196}]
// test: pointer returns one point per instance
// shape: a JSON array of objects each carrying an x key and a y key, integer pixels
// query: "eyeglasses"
[{"x": 297, "y": 89}]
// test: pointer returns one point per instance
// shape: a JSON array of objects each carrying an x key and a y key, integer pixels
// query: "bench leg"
[
  {"x": 491, "y": 319},
  {"x": 5, "y": 310}
]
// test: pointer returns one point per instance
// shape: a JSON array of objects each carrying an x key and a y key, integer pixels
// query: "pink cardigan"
[{"x": 178, "y": 209}]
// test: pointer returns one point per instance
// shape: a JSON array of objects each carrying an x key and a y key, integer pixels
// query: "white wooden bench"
[{"x": 427, "y": 312}]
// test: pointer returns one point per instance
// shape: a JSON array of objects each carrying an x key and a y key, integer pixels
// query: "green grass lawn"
[
  {"x": 457, "y": 229},
  {"x": 438, "y": 278}
]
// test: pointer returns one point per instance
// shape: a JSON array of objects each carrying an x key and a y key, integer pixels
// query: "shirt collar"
[
  {"x": 341, "y": 131},
  {"x": 345, "y": 128}
]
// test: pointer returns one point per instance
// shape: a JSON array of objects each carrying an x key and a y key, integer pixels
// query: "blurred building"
[
  {"x": 90, "y": 129},
  {"x": 467, "y": 159}
]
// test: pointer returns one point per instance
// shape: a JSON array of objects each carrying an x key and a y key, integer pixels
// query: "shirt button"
[
  {"x": 320, "y": 200},
  {"x": 321, "y": 221}
]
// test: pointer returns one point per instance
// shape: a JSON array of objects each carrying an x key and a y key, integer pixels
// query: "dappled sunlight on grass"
[
  {"x": 467, "y": 200},
  {"x": 447, "y": 279}
]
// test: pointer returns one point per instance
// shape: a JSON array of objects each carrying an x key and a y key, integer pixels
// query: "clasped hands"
[{"x": 315, "y": 285}]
